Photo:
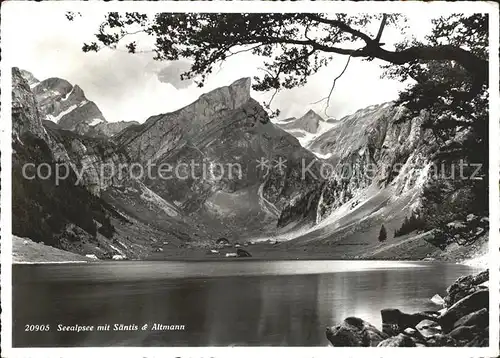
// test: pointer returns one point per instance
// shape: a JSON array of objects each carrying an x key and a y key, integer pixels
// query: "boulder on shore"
[
  {"x": 416, "y": 336},
  {"x": 463, "y": 333},
  {"x": 394, "y": 321},
  {"x": 354, "y": 332},
  {"x": 468, "y": 304},
  {"x": 478, "y": 318},
  {"x": 428, "y": 328},
  {"x": 438, "y": 300},
  {"x": 481, "y": 339},
  {"x": 465, "y": 286},
  {"x": 441, "y": 340},
  {"x": 465, "y": 318},
  {"x": 463, "y": 322}
]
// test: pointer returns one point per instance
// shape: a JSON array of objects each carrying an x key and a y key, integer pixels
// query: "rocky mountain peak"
[
  {"x": 308, "y": 123},
  {"x": 25, "y": 115},
  {"x": 240, "y": 89},
  {"x": 312, "y": 113},
  {"x": 65, "y": 104},
  {"x": 29, "y": 77},
  {"x": 163, "y": 132},
  {"x": 53, "y": 87},
  {"x": 77, "y": 93}
]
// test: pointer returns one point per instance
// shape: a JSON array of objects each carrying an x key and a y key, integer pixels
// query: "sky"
[{"x": 134, "y": 86}]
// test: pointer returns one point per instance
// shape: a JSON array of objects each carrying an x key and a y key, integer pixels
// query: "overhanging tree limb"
[
  {"x": 473, "y": 64},
  {"x": 341, "y": 26},
  {"x": 381, "y": 28},
  {"x": 209, "y": 38}
]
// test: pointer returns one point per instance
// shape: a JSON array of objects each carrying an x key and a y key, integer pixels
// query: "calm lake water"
[{"x": 277, "y": 303}]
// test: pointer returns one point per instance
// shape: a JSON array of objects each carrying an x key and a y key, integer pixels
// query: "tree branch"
[
  {"x": 468, "y": 60},
  {"x": 220, "y": 42},
  {"x": 476, "y": 66},
  {"x": 327, "y": 98},
  {"x": 342, "y": 26},
  {"x": 381, "y": 28},
  {"x": 270, "y": 40},
  {"x": 438, "y": 53},
  {"x": 244, "y": 50}
]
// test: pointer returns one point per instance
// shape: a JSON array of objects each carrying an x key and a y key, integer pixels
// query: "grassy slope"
[{"x": 27, "y": 251}]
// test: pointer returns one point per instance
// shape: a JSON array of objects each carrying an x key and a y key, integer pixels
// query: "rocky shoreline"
[{"x": 463, "y": 321}]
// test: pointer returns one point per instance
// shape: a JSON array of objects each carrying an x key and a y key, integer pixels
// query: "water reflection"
[{"x": 252, "y": 308}]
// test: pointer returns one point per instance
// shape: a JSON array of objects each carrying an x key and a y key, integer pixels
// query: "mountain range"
[
  {"x": 307, "y": 127},
  {"x": 239, "y": 175},
  {"x": 66, "y": 105}
]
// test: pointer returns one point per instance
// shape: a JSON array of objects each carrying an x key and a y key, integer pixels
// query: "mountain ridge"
[
  {"x": 309, "y": 122},
  {"x": 237, "y": 190},
  {"x": 223, "y": 125},
  {"x": 66, "y": 105}
]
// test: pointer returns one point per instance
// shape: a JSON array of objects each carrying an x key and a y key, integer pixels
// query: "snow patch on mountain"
[
  {"x": 306, "y": 137},
  {"x": 56, "y": 119},
  {"x": 322, "y": 128},
  {"x": 322, "y": 156},
  {"x": 65, "y": 98},
  {"x": 95, "y": 121}
]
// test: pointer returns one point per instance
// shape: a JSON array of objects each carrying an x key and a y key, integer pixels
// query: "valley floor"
[{"x": 412, "y": 247}]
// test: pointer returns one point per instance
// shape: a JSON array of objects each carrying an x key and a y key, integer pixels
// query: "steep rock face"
[
  {"x": 29, "y": 77},
  {"x": 62, "y": 103},
  {"x": 68, "y": 212},
  {"x": 96, "y": 160},
  {"x": 43, "y": 209},
  {"x": 226, "y": 134},
  {"x": 224, "y": 127},
  {"x": 65, "y": 104},
  {"x": 162, "y": 133},
  {"x": 27, "y": 120},
  {"x": 386, "y": 153},
  {"x": 26, "y": 117},
  {"x": 86, "y": 112}
]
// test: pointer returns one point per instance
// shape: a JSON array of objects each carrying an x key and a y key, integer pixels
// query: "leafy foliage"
[
  {"x": 295, "y": 46},
  {"x": 284, "y": 41},
  {"x": 455, "y": 102},
  {"x": 410, "y": 224},
  {"x": 455, "y": 212}
]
